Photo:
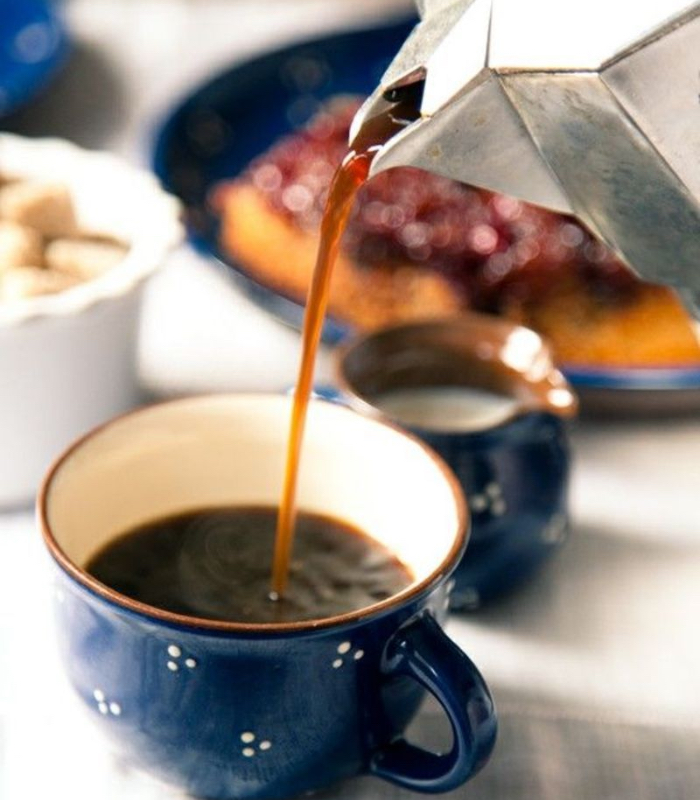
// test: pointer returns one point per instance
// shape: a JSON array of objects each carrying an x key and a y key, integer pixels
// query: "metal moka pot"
[{"x": 588, "y": 108}]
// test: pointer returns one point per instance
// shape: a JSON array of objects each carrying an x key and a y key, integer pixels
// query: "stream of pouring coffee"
[{"x": 349, "y": 177}]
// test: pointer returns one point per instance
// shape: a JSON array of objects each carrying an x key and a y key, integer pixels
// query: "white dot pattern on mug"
[
  {"x": 555, "y": 530},
  {"x": 105, "y": 706},
  {"x": 491, "y": 500},
  {"x": 252, "y": 749},
  {"x": 175, "y": 661},
  {"x": 470, "y": 597},
  {"x": 345, "y": 648}
]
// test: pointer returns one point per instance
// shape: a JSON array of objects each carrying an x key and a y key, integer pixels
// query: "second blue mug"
[{"x": 512, "y": 462}]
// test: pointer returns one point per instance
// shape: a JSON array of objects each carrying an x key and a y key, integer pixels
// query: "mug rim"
[{"x": 105, "y": 592}]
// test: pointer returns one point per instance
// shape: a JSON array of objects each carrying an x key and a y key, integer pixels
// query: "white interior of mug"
[{"x": 230, "y": 450}]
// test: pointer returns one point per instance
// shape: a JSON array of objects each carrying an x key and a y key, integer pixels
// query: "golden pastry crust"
[
  {"x": 651, "y": 329},
  {"x": 418, "y": 246},
  {"x": 276, "y": 252}
]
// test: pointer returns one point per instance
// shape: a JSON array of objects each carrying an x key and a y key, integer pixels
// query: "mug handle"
[{"x": 421, "y": 650}]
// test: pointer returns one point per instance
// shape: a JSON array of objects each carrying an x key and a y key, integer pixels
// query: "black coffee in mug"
[{"x": 214, "y": 563}]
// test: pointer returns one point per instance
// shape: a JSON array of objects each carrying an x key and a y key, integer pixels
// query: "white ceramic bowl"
[{"x": 68, "y": 361}]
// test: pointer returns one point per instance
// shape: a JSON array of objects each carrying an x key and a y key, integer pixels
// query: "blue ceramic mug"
[
  {"x": 224, "y": 709},
  {"x": 508, "y": 446}
]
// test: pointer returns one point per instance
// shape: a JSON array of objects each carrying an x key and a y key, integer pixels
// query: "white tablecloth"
[{"x": 595, "y": 664}]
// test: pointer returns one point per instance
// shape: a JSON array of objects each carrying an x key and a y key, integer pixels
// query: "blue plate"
[
  {"x": 216, "y": 131},
  {"x": 635, "y": 392},
  {"x": 33, "y": 45}
]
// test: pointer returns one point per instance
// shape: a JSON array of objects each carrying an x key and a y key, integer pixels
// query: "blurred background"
[{"x": 594, "y": 663}]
